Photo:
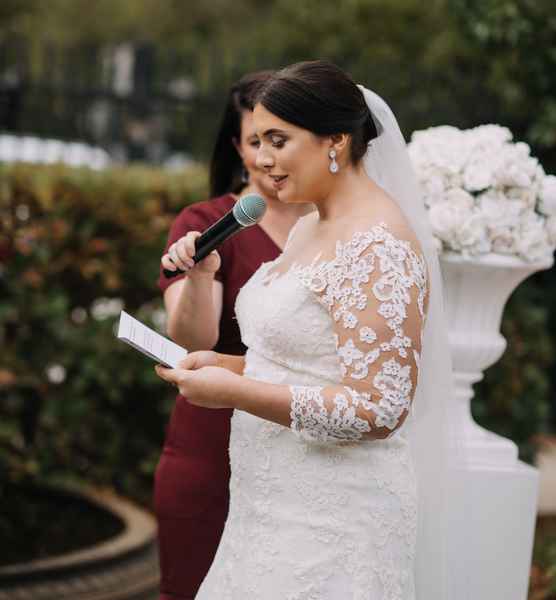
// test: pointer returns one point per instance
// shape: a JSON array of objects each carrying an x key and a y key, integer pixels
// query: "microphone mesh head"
[{"x": 249, "y": 209}]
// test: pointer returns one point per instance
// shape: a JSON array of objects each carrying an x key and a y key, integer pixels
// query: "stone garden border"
[{"x": 122, "y": 568}]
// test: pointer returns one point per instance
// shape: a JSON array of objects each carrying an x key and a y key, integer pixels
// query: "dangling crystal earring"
[
  {"x": 334, "y": 167},
  {"x": 244, "y": 175}
]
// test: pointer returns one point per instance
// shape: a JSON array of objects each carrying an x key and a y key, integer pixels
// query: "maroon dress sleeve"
[{"x": 192, "y": 478}]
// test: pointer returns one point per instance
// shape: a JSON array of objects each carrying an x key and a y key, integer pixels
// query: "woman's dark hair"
[
  {"x": 318, "y": 96},
  {"x": 226, "y": 166}
]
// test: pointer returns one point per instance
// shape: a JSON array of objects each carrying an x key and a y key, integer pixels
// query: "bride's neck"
[{"x": 350, "y": 195}]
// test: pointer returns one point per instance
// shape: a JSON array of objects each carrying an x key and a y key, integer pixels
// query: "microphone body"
[{"x": 247, "y": 211}]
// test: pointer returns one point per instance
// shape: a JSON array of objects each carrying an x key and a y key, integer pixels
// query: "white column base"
[{"x": 494, "y": 540}]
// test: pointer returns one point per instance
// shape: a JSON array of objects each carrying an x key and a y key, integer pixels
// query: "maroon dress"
[{"x": 191, "y": 481}]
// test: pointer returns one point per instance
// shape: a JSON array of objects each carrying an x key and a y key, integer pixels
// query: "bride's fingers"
[
  {"x": 164, "y": 373},
  {"x": 188, "y": 363},
  {"x": 175, "y": 376}
]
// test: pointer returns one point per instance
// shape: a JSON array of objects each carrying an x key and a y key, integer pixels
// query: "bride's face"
[{"x": 295, "y": 159}]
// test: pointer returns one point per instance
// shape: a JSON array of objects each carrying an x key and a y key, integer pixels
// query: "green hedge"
[
  {"x": 74, "y": 246},
  {"x": 75, "y": 402}
]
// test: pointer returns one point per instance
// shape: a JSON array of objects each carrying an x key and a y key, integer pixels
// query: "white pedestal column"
[{"x": 500, "y": 498}]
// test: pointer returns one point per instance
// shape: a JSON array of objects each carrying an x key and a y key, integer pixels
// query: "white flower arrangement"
[{"x": 485, "y": 193}]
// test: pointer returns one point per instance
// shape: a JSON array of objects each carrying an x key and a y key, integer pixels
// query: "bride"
[{"x": 339, "y": 439}]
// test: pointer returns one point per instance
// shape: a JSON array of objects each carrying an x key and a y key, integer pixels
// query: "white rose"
[
  {"x": 492, "y": 135},
  {"x": 471, "y": 235},
  {"x": 503, "y": 240},
  {"x": 522, "y": 149},
  {"x": 460, "y": 199},
  {"x": 513, "y": 175},
  {"x": 515, "y": 166},
  {"x": 531, "y": 239},
  {"x": 433, "y": 183},
  {"x": 548, "y": 196},
  {"x": 455, "y": 180},
  {"x": 526, "y": 197},
  {"x": 477, "y": 176},
  {"x": 443, "y": 147},
  {"x": 445, "y": 220},
  {"x": 441, "y": 134},
  {"x": 497, "y": 210},
  {"x": 492, "y": 205},
  {"x": 456, "y": 224}
]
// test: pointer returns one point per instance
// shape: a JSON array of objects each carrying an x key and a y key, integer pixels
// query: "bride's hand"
[
  {"x": 199, "y": 359},
  {"x": 180, "y": 255},
  {"x": 201, "y": 382}
]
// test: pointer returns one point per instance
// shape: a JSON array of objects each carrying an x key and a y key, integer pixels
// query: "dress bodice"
[{"x": 281, "y": 320}]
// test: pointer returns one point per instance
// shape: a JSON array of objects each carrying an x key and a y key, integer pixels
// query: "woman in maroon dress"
[{"x": 192, "y": 477}]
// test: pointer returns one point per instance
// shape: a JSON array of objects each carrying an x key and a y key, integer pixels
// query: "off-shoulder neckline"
[{"x": 315, "y": 266}]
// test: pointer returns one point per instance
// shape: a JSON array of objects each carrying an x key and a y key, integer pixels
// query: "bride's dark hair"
[{"x": 318, "y": 96}]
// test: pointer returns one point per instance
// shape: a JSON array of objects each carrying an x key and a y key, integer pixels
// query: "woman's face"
[
  {"x": 296, "y": 160},
  {"x": 248, "y": 146}
]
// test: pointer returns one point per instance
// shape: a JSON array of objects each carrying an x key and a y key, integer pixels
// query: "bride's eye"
[{"x": 277, "y": 142}]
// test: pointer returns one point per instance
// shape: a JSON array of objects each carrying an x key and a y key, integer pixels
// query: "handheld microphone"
[{"x": 247, "y": 211}]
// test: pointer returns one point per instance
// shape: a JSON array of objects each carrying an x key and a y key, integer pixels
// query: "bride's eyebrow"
[{"x": 270, "y": 132}]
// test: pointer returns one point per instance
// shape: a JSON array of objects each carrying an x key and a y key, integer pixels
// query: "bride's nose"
[{"x": 264, "y": 160}]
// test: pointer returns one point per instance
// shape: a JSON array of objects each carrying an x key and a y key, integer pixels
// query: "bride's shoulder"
[
  {"x": 386, "y": 224},
  {"x": 300, "y": 228},
  {"x": 307, "y": 220}
]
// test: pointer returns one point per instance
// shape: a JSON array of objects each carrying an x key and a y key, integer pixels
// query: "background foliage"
[{"x": 75, "y": 247}]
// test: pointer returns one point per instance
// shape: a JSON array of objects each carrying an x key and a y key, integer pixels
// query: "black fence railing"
[{"x": 135, "y": 103}]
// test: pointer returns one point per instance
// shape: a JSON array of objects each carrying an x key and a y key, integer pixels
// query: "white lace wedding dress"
[{"x": 327, "y": 509}]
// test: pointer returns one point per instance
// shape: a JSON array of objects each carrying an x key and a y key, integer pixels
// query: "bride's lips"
[{"x": 278, "y": 181}]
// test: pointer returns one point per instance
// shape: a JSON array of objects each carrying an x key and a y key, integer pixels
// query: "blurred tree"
[
  {"x": 429, "y": 64},
  {"x": 13, "y": 9},
  {"x": 414, "y": 57},
  {"x": 519, "y": 37}
]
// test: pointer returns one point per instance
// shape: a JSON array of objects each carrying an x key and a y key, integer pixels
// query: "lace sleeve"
[{"x": 375, "y": 290}]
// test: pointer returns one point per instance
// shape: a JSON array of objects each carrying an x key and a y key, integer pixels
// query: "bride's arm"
[
  {"x": 231, "y": 362},
  {"x": 378, "y": 313}
]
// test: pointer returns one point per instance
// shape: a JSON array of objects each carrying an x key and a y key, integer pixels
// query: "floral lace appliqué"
[{"x": 372, "y": 262}]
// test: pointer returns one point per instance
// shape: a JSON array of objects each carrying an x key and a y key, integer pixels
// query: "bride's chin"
[{"x": 286, "y": 197}]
